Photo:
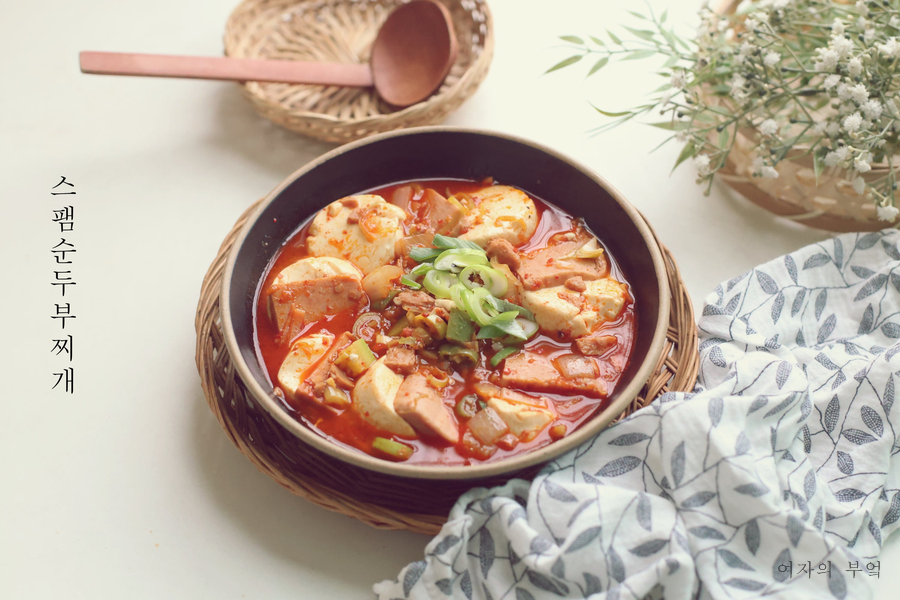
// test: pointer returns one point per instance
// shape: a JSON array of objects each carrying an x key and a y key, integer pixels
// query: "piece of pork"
[
  {"x": 441, "y": 215},
  {"x": 555, "y": 264},
  {"x": 401, "y": 359},
  {"x": 421, "y": 302},
  {"x": 503, "y": 252},
  {"x": 313, "y": 387},
  {"x": 595, "y": 345},
  {"x": 420, "y": 405}
]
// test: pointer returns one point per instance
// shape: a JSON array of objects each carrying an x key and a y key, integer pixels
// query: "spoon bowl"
[{"x": 412, "y": 55}]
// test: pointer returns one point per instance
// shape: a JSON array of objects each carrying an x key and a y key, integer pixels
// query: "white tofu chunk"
[
  {"x": 500, "y": 212},
  {"x": 373, "y": 398},
  {"x": 525, "y": 421},
  {"x": 307, "y": 269},
  {"x": 559, "y": 310},
  {"x": 331, "y": 234},
  {"x": 315, "y": 286},
  {"x": 304, "y": 353}
]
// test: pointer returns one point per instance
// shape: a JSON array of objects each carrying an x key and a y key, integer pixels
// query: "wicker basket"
[
  {"x": 343, "y": 31},
  {"x": 828, "y": 203},
  {"x": 383, "y": 501}
]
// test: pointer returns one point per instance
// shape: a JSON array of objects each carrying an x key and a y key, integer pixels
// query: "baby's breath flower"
[
  {"x": 771, "y": 59},
  {"x": 862, "y": 165},
  {"x": 768, "y": 127},
  {"x": 842, "y": 47},
  {"x": 737, "y": 88},
  {"x": 852, "y": 122},
  {"x": 859, "y": 93},
  {"x": 764, "y": 170},
  {"x": 702, "y": 162},
  {"x": 837, "y": 27},
  {"x": 859, "y": 184},
  {"x": 750, "y": 24},
  {"x": 873, "y": 109},
  {"x": 833, "y": 128},
  {"x": 887, "y": 213},
  {"x": 890, "y": 49},
  {"x": 854, "y": 67},
  {"x": 869, "y": 35},
  {"x": 862, "y": 8},
  {"x": 895, "y": 21},
  {"x": 828, "y": 60},
  {"x": 819, "y": 127},
  {"x": 836, "y": 157},
  {"x": 843, "y": 91},
  {"x": 679, "y": 79},
  {"x": 831, "y": 81}
]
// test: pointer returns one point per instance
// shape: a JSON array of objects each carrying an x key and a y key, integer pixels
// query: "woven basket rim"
[
  {"x": 436, "y": 99},
  {"x": 511, "y": 464}
]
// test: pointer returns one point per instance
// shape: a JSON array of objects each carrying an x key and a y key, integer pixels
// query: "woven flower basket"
[
  {"x": 343, "y": 31},
  {"x": 830, "y": 203}
]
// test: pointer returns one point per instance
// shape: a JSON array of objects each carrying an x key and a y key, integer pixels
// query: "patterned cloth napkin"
[{"x": 777, "y": 476}]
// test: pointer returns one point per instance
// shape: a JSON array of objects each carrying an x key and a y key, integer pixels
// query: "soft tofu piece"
[
  {"x": 421, "y": 406},
  {"x": 500, "y": 212},
  {"x": 332, "y": 235},
  {"x": 304, "y": 353},
  {"x": 563, "y": 313},
  {"x": 312, "y": 288},
  {"x": 373, "y": 399},
  {"x": 525, "y": 416},
  {"x": 525, "y": 421}
]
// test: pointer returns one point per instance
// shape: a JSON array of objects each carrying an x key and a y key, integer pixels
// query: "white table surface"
[{"x": 129, "y": 488}]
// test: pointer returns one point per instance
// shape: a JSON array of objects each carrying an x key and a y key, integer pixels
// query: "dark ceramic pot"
[{"x": 446, "y": 152}]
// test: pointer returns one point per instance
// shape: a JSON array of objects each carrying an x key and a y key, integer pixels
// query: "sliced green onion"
[
  {"x": 529, "y": 327},
  {"x": 399, "y": 326},
  {"x": 504, "y": 306},
  {"x": 507, "y": 316},
  {"x": 512, "y": 328},
  {"x": 458, "y": 354},
  {"x": 408, "y": 281},
  {"x": 446, "y": 243},
  {"x": 422, "y": 255},
  {"x": 474, "y": 301},
  {"x": 420, "y": 270},
  {"x": 467, "y": 406},
  {"x": 504, "y": 353},
  {"x": 439, "y": 283},
  {"x": 459, "y": 327},
  {"x": 384, "y": 302},
  {"x": 491, "y": 279},
  {"x": 458, "y": 259},
  {"x": 456, "y": 294},
  {"x": 489, "y": 332},
  {"x": 392, "y": 449}
]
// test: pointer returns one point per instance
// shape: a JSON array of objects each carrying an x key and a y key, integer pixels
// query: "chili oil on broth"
[{"x": 348, "y": 429}]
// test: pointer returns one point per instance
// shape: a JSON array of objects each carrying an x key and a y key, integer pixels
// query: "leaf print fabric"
[{"x": 785, "y": 452}]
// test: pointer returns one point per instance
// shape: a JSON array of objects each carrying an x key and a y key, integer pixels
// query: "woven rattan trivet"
[{"x": 383, "y": 501}]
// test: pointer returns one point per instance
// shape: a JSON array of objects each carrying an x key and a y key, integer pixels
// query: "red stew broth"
[{"x": 349, "y": 429}]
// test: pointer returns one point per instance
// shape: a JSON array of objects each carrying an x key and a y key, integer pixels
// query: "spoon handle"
[{"x": 233, "y": 69}]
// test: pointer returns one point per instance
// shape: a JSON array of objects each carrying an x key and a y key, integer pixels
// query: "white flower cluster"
[{"x": 838, "y": 95}]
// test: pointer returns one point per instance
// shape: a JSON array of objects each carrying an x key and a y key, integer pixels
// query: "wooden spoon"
[{"x": 411, "y": 57}]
